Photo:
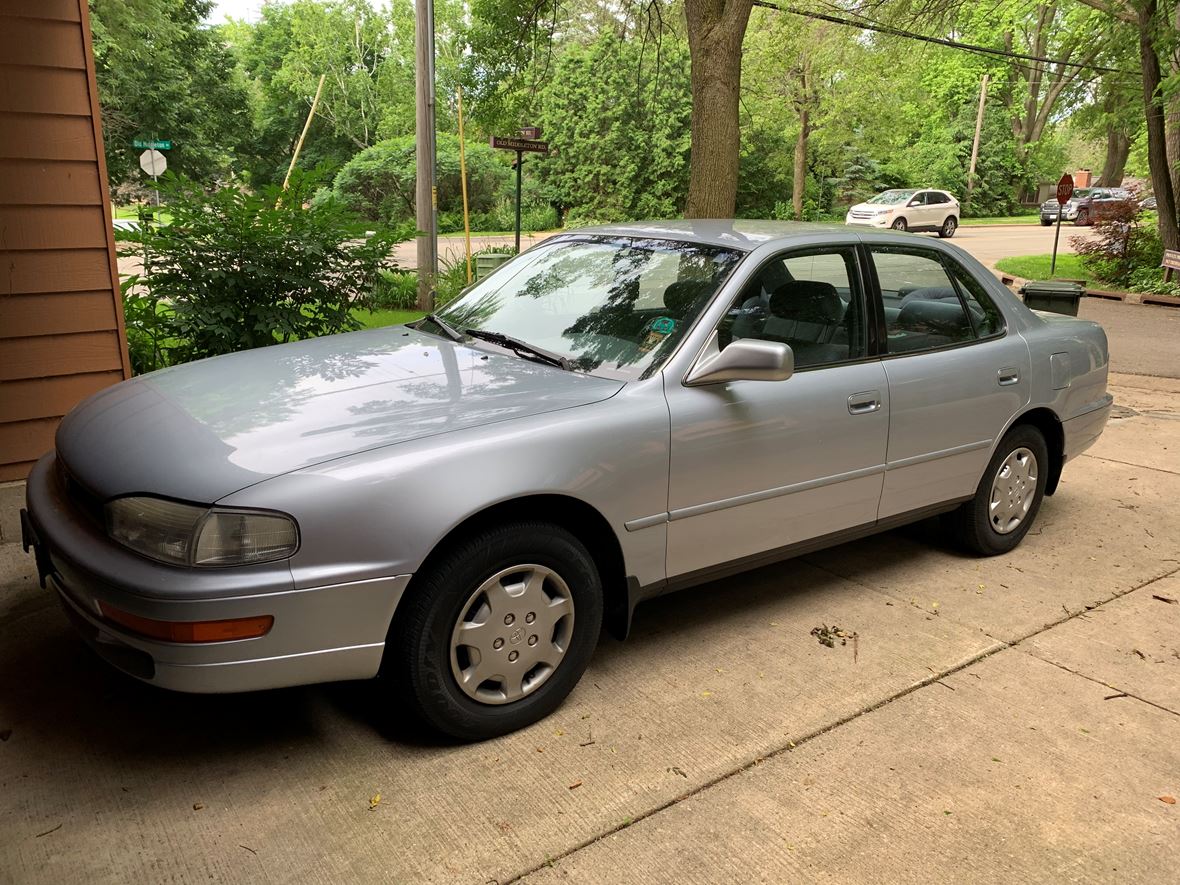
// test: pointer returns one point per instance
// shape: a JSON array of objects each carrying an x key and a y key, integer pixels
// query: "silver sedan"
[{"x": 460, "y": 506}]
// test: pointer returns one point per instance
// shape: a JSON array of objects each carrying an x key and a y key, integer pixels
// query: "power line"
[{"x": 941, "y": 41}]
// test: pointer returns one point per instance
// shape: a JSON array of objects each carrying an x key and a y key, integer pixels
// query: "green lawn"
[
  {"x": 374, "y": 319},
  {"x": 1001, "y": 219},
  {"x": 1036, "y": 267}
]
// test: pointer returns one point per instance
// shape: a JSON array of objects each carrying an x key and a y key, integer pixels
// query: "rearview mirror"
[{"x": 746, "y": 359}]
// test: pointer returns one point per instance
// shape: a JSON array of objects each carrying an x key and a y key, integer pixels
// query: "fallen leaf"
[
  {"x": 706, "y": 694},
  {"x": 374, "y": 801},
  {"x": 575, "y": 785},
  {"x": 1167, "y": 800},
  {"x": 197, "y": 806},
  {"x": 676, "y": 769},
  {"x": 559, "y": 733}
]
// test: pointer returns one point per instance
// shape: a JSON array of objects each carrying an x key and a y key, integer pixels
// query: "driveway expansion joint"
[{"x": 1122, "y": 692}]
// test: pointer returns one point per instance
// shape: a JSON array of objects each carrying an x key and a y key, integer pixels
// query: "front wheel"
[
  {"x": 1046, "y": 222},
  {"x": 1008, "y": 497},
  {"x": 495, "y": 634},
  {"x": 948, "y": 227},
  {"x": 1083, "y": 218},
  {"x": 899, "y": 224}
]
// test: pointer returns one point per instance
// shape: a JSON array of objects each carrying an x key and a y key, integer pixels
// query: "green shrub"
[
  {"x": 1122, "y": 248},
  {"x": 378, "y": 183},
  {"x": 236, "y": 270},
  {"x": 394, "y": 290}
]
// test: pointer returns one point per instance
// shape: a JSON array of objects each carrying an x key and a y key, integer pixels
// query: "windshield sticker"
[{"x": 663, "y": 325}]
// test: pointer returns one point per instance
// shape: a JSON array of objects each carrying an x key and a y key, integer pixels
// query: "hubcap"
[
  {"x": 1013, "y": 491},
  {"x": 948, "y": 227},
  {"x": 512, "y": 634}
]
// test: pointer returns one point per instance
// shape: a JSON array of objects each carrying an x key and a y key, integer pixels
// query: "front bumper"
[
  {"x": 877, "y": 221},
  {"x": 320, "y": 634},
  {"x": 1051, "y": 214}
]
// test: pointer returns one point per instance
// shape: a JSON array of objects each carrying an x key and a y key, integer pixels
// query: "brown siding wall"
[{"x": 61, "y": 320}]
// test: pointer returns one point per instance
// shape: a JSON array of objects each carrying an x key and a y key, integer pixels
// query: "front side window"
[
  {"x": 614, "y": 306},
  {"x": 923, "y": 310},
  {"x": 809, "y": 300}
]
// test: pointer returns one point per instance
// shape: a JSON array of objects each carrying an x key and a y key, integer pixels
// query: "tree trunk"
[
  {"x": 1118, "y": 146},
  {"x": 1153, "y": 105},
  {"x": 715, "y": 32},
  {"x": 799, "y": 179},
  {"x": 1172, "y": 122}
]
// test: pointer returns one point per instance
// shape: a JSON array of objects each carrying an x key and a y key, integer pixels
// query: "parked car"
[
  {"x": 1148, "y": 203},
  {"x": 1087, "y": 205},
  {"x": 459, "y": 504},
  {"x": 909, "y": 209}
]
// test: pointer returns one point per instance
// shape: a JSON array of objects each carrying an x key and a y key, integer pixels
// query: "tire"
[
  {"x": 426, "y": 657},
  {"x": 948, "y": 227},
  {"x": 1083, "y": 218},
  {"x": 990, "y": 532},
  {"x": 899, "y": 224},
  {"x": 1046, "y": 222}
]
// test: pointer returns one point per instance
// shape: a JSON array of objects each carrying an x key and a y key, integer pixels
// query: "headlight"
[{"x": 186, "y": 534}]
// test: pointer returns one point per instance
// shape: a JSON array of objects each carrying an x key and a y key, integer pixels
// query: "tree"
[
  {"x": 716, "y": 29},
  {"x": 162, "y": 73}
]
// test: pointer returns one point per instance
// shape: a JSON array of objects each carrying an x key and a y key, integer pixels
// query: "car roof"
[{"x": 740, "y": 234}]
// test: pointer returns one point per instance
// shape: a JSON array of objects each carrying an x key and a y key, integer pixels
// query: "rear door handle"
[
  {"x": 864, "y": 403},
  {"x": 1008, "y": 376}
]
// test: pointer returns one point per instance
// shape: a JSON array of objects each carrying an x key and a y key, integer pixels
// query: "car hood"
[{"x": 203, "y": 430}]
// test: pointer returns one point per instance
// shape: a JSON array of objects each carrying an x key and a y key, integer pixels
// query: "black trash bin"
[{"x": 1057, "y": 296}]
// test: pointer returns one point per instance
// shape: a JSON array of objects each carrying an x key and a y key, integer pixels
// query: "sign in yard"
[
  {"x": 1170, "y": 263},
  {"x": 164, "y": 145},
  {"x": 527, "y": 143},
  {"x": 1064, "y": 192},
  {"x": 1065, "y": 189},
  {"x": 520, "y": 144},
  {"x": 153, "y": 162}
]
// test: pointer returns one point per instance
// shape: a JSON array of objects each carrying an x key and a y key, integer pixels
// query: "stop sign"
[
  {"x": 153, "y": 162},
  {"x": 1065, "y": 189}
]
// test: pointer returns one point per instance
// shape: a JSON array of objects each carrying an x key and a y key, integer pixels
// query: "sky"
[{"x": 247, "y": 9}]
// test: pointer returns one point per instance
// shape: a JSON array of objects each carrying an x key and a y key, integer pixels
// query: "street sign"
[
  {"x": 153, "y": 162},
  {"x": 1064, "y": 189},
  {"x": 520, "y": 144},
  {"x": 1171, "y": 259},
  {"x": 164, "y": 145},
  {"x": 532, "y": 132}
]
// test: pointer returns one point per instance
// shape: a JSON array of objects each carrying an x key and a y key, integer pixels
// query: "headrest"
[
  {"x": 941, "y": 317},
  {"x": 808, "y": 301},
  {"x": 681, "y": 297},
  {"x": 930, "y": 293}
]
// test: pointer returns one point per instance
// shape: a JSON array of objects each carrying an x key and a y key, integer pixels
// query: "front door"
[
  {"x": 956, "y": 377},
  {"x": 758, "y": 466}
]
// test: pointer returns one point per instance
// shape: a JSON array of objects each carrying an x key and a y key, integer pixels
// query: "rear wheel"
[
  {"x": 498, "y": 631},
  {"x": 899, "y": 224},
  {"x": 948, "y": 227},
  {"x": 1008, "y": 496}
]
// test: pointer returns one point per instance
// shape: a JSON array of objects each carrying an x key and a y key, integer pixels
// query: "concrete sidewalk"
[{"x": 965, "y": 733}]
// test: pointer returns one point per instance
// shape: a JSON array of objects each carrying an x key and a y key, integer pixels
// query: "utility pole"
[
  {"x": 975, "y": 143},
  {"x": 425, "y": 194}
]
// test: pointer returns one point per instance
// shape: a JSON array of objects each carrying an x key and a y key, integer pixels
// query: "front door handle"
[
  {"x": 864, "y": 403},
  {"x": 1007, "y": 376}
]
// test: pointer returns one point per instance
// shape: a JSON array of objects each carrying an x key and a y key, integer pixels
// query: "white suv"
[{"x": 908, "y": 209}]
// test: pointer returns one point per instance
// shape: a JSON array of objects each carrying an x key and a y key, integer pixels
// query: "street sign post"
[
  {"x": 528, "y": 143},
  {"x": 1064, "y": 192},
  {"x": 153, "y": 163},
  {"x": 162, "y": 145}
]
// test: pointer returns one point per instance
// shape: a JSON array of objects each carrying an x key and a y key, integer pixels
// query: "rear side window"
[
  {"x": 923, "y": 310},
  {"x": 985, "y": 316}
]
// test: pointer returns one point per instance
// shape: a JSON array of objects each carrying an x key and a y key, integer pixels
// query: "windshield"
[
  {"x": 892, "y": 197},
  {"x": 612, "y": 306}
]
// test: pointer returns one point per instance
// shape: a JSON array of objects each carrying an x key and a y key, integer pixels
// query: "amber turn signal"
[{"x": 189, "y": 631}]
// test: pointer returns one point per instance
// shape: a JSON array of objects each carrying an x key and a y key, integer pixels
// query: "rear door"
[{"x": 956, "y": 376}]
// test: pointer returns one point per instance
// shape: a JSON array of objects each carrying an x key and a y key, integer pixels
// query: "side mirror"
[{"x": 746, "y": 359}]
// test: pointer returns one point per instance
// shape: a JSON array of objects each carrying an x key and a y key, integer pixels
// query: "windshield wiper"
[
  {"x": 453, "y": 334},
  {"x": 522, "y": 348}
]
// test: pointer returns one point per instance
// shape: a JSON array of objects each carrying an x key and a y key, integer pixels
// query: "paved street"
[
  {"x": 987, "y": 243},
  {"x": 1014, "y": 718}
]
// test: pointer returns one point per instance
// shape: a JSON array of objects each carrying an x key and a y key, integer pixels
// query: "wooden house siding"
[{"x": 61, "y": 319}]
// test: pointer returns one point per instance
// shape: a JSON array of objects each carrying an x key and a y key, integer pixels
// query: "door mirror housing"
[{"x": 746, "y": 359}]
